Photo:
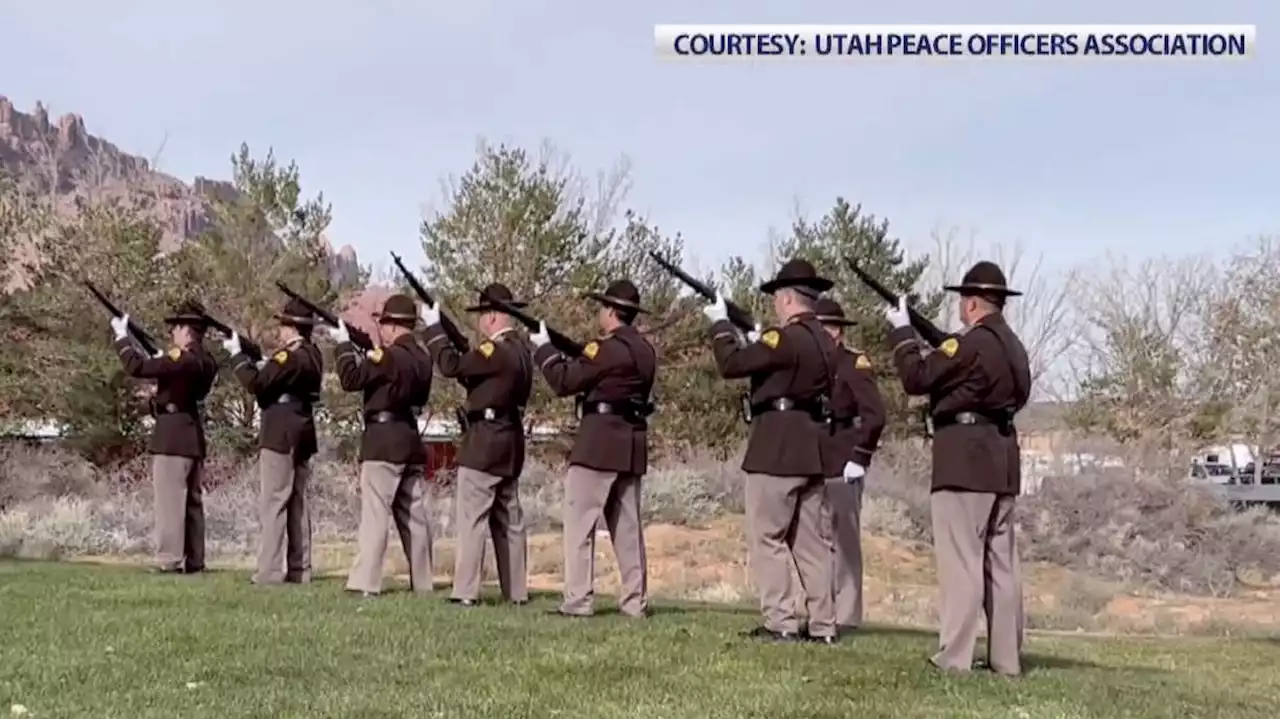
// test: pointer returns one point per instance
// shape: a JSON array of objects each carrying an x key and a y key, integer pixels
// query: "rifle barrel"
[
  {"x": 142, "y": 337},
  {"x": 740, "y": 318},
  {"x": 928, "y": 331},
  {"x": 456, "y": 337},
  {"x": 359, "y": 337},
  {"x": 251, "y": 349}
]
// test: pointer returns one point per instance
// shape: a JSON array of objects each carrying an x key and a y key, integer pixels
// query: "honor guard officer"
[
  {"x": 857, "y": 420},
  {"x": 286, "y": 386},
  {"x": 791, "y": 370},
  {"x": 976, "y": 380},
  {"x": 498, "y": 377},
  {"x": 615, "y": 375},
  {"x": 184, "y": 376},
  {"x": 395, "y": 379}
]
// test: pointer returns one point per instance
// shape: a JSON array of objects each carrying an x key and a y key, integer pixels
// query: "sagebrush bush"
[{"x": 1127, "y": 527}]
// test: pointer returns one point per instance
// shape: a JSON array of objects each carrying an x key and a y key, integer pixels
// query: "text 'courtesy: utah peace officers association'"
[{"x": 952, "y": 41}]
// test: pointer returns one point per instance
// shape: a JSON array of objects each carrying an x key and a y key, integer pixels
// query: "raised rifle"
[
  {"x": 559, "y": 340},
  {"x": 251, "y": 349},
  {"x": 140, "y": 335},
  {"x": 451, "y": 330},
  {"x": 740, "y": 318},
  {"x": 928, "y": 331},
  {"x": 358, "y": 337}
]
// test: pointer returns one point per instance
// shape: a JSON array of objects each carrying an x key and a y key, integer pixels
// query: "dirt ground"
[{"x": 709, "y": 564}]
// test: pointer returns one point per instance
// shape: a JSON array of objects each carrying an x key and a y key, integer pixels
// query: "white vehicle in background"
[{"x": 1221, "y": 464}]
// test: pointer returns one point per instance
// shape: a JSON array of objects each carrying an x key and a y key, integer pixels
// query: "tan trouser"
[
  {"x": 588, "y": 495},
  {"x": 973, "y": 539},
  {"x": 846, "y": 569},
  {"x": 788, "y": 520},
  {"x": 285, "y": 518},
  {"x": 488, "y": 505},
  {"x": 179, "y": 511},
  {"x": 392, "y": 492}
]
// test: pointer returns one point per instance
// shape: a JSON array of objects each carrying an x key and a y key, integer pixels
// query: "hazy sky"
[{"x": 378, "y": 100}]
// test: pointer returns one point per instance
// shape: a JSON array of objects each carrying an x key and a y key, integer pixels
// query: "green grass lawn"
[{"x": 85, "y": 641}]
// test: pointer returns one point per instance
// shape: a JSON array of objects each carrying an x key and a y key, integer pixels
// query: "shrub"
[{"x": 1127, "y": 527}]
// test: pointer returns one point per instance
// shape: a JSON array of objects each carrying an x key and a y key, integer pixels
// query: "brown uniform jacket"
[
  {"x": 498, "y": 376},
  {"x": 794, "y": 362},
  {"x": 396, "y": 382},
  {"x": 618, "y": 369},
  {"x": 183, "y": 378},
  {"x": 858, "y": 413},
  {"x": 286, "y": 387},
  {"x": 982, "y": 372}
]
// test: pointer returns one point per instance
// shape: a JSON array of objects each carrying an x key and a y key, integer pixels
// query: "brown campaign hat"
[
  {"x": 620, "y": 294},
  {"x": 495, "y": 291},
  {"x": 797, "y": 273},
  {"x": 829, "y": 312},
  {"x": 296, "y": 313},
  {"x": 398, "y": 310},
  {"x": 188, "y": 312},
  {"x": 984, "y": 278}
]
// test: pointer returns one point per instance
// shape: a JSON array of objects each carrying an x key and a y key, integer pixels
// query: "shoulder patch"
[
  {"x": 949, "y": 346},
  {"x": 376, "y": 355},
  {"x": 862, "y": 362},
  {"x": 280, "y": 357},
  {"x": 486, "y": 348},
  {"x": 174, "y": 353},
  {"x": 591, "y": 350},
  {"x": 771, "y": 338}
]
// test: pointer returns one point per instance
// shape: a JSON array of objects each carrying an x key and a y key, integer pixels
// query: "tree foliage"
[
  {"x": 265, "y": 232},
  {"x": 57, "y": 360}
]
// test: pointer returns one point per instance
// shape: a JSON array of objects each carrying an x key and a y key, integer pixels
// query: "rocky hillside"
[{"x": 63, "y": 155}]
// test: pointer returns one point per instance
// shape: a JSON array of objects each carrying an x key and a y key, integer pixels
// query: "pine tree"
[{"x": 846, "y": 232}]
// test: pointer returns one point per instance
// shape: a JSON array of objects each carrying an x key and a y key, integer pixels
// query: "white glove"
[
  {"x": 430, "y": 315},
  {"x": 232, "y": 344},
  {"x": 716, "y": 311},
  {"x": 339, "y": 333},
  {"x": 120, "y": 326},
  {"x": 754, "y": 335},
  {"x": 853, "y": 471},
  {"x": 898, "y": 316},
  {"x": 541, "y": 337}
]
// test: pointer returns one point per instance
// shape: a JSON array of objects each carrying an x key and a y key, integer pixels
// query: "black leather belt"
[
  {"x": 491, "y": 413},
  {"x": 158, "y": 409},
  {"x": 786, "y": 404},
  {"x": 389, "y": 417},
  {"x": 846, "y": 422},
  {"x": 302, "y": 403},
  {"x": 1001, "y": 420},
  {"x": 631, "y": 411}
]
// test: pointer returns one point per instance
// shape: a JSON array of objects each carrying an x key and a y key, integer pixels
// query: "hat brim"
[
  {"x": 982, "y": 289},
  {"x": 294, "y": 320},
  {"x": 494, "y": 308},
  {"x": 395, "y": 319},
  {"x": 615, "y": 303},
  {"x": 838, "y": 321},
  {"x": 196, "y": 320},
  {"x": 817, "y": 284}
]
